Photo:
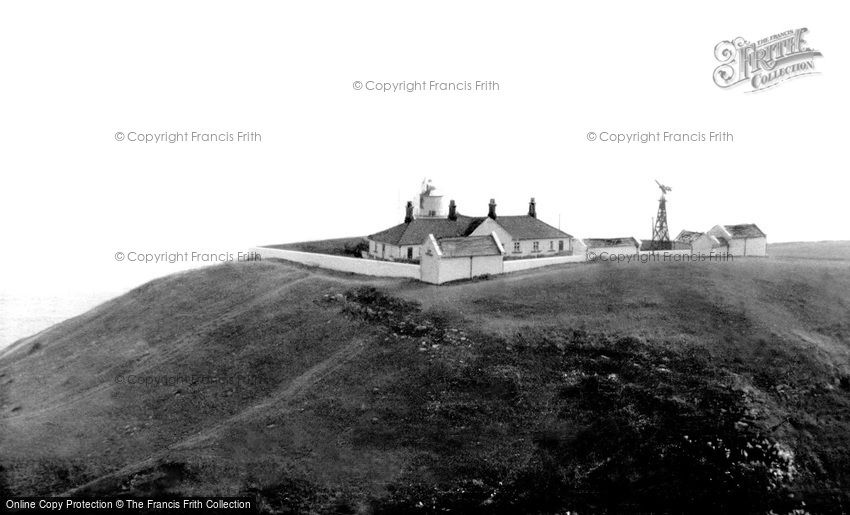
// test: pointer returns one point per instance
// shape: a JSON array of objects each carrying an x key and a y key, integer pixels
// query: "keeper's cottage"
[{"x": 520, "y": 236}]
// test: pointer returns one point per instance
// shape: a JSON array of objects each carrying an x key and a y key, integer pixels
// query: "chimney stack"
[
  {"x": 532, "y": 208},
  {"x": 492, "y": 212},
  {"x": 452, "y": 210},
  {"x": 408, "y": 216}
]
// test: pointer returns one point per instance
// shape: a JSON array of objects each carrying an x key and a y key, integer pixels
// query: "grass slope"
[
  {"x": 591, "y": 387},
  {"x": 351, "y": 247}
]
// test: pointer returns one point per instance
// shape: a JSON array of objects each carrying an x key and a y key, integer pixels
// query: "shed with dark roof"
[
  {"x": 741, "y": 239},
  {"x": 688, "y": 237},
  {"x": 403, "y": 240},
  {"x": 744, "y": 231},
  {"x": 527, "y": 236},
  {"x": 453, "y": 259}
]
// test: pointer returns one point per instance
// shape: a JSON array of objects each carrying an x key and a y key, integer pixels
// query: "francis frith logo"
[{"x": 765, "y": 63}]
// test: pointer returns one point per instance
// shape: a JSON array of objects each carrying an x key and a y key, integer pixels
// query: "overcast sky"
[{"x": 335, "y": 161}]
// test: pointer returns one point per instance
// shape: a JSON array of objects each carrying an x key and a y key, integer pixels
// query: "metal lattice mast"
[{"x": 660, "y": 233}]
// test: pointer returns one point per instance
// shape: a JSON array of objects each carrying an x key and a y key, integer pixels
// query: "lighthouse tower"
[{"x": 430, "y": 204}]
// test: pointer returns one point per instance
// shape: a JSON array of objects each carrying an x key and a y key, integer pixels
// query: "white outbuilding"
[
  {"x": 686, "y": 238},
  {"x": 707, "y": 244},
  {"x": 740, "y": 240},
  {"x": 452, "y": 259}
]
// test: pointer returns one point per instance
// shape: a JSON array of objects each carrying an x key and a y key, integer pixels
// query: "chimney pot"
[
  {"x": 492, "y": 212},
  {"x": 532, "y": 208},
  {"x": 408, "y": 216},
  {"x": 452, "y": 210}
]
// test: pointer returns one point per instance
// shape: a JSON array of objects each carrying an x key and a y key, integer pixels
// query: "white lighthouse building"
[
  {"x": 521, "y": 236},
  {"x": 430, "y": 204}
]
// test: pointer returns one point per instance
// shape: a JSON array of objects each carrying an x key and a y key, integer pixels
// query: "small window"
[
  {"x": 516, "y": 247},
  {"x": 551, "y": 245},
  {"x": 536, "y": 246},
  {"x": 560, "y": 245},
  {"x": 409, "y": 252}
]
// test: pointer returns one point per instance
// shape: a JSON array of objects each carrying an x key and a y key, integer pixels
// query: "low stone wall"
[
  {"x": 371, "y": 267},
  {"x": 377, "y": 268},
  {"x": 515, "y": 265}
]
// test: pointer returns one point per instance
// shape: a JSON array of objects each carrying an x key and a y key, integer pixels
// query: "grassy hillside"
[
  {"x": 836, "y": 250},
  {"x": 337, "y": 247},
  {"x": 589, "y": 387}
]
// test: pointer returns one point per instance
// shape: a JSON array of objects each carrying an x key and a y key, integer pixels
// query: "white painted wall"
[
  {"x": 526, "y": 246},
  {"x": 516, "y": 265},
  {"x": 748, "y": 247},
  {"x": 487, "y": 265},
  {"x": 756, "y": 246},
  {"x": 395, "y": 252},
  {"x": 703, "y": 245},
  {"x": 548, "y": 247},
  {"x": 737, "y": 246},
  {"x": 579, "y": 248},
  {"x": 370, "y": 267},
  {"x": 383, "y": 250},
  {"x": 429, "y": 265},
  {"x": 436, "y": 268},
  {"x": 453, "y": 269},
  {"x": 489, "y": 226}
]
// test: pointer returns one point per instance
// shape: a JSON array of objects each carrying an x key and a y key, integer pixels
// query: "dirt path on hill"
[
  {"x": 230, "y": 314},
  {"x": 280, "y": 398},
  {"x": 284, "y": 396}
]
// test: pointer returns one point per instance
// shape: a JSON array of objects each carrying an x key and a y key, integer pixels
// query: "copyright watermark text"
[
  {"x": 111, "y": 504},
  {"x": 427, "y": 86},
  {"x": 645, "y": 137},
  {"x": 172, "y": 137},
  {"x": 185, "y": 257},
  {"x": 658, "y": 257}
]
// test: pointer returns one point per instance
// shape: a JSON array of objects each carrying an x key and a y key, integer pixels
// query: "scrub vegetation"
[{"x": 593, "y": 387}]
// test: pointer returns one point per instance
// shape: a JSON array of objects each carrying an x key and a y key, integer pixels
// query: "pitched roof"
[
  {"x": 744, "y": 231},
  {"x": 688, "y": 236},
  {"x": 627, "y": 241},
  {"x": 715, "y": 241},
  {"x": 525, "y": 227},
  {"x": 469, "y": 246},
  {"x": 415, "y": 232}
]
